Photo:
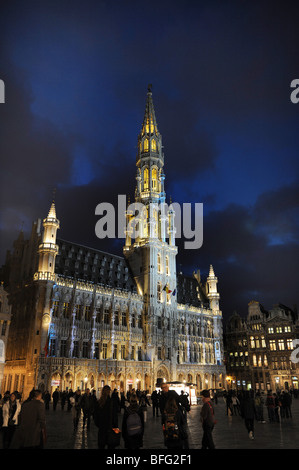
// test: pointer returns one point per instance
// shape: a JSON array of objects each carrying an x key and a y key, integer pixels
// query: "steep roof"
[{"x": 93, "y": 265}]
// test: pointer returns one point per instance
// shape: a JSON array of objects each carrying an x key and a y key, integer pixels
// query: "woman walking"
[
  {"x": 105, "y": 418},
  {"x": 133, "y": 425},
  {"x": 11, "y": 410}
]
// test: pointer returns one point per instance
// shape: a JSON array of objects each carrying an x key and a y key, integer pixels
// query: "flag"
[{"x": 166, "y": 288}]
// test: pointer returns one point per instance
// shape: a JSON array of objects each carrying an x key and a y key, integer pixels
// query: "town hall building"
[{"x": 82, "y": 317}]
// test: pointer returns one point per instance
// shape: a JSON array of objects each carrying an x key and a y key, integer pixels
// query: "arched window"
[
  {"x": 153, "y": 145},
  {"x": 146, "y": 179},
  {"x": 167, "y": 265},
  {"x": 154, "y": 179},
  {"x": 159, "y": 263},
  {"x": 144, "y": 222},
  {"x": 145, "y": 145}
]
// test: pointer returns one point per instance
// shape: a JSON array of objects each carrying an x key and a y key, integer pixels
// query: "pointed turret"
[
  {"x": 52, "y": 211},
  {"x": 48, "y": 248},
  {"x": 211, "y": 288},
  {"x": 211, "y": 272}
]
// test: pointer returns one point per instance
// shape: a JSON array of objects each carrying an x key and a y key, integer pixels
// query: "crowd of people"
[
  {"x": 259, "y": 406},
  {"x": 23, "y": 423}
]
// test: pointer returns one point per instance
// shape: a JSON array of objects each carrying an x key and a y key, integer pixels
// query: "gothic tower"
[
  {"x": 150, "y": 222},
  {"x": 45, "y": 275}
]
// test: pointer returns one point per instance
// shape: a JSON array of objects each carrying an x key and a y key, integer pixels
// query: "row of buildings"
[
  {"x": 260, "y": 351},
  {"x": 73, "y": 316}
]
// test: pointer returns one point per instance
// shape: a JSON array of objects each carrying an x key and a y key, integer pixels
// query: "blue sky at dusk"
[{"x": 76, "y": 76}]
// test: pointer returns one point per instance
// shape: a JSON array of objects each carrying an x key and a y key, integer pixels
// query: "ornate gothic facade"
[{"x": 83, "y": 317}]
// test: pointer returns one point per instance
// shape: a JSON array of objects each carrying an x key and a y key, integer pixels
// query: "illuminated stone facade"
[
  {"x": 83, "y": 317},
  {"x": 259, "y": 349},
  {"x": 5, "y": 319}
]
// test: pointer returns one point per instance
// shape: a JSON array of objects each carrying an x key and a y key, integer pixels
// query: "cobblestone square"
[{"x": 229, "y": 432}]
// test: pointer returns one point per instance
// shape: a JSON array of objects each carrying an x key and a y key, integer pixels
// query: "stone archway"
[
  {"x": 121, "y": 382},
  {"x": 162, "y": 374},
  {"x": 68, "y": 381},
  {"x": 147, "y": 382},
  {"x": 55, "y": 382},
  {"x": 199, "y": 382}
]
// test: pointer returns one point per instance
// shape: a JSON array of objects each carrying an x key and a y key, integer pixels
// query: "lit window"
[
  {"x": 154, "y": 179},
  {"x": 146, "y": 178},
  {"x": 159, "y": 263},
  {"x": 254, "y": 361},
  {"x": 167, "y": 266},
  {"x": 281, "y": 345}
]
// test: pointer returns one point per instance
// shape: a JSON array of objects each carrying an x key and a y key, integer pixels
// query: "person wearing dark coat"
[
  {"x": 172, "y": 410},
  {"x": 166, "y": 395},
  {"x": 207, "y": 417},
  {"x": 87, "y": 405},
  {"x": 155, "y": 401},
  {"x": 105, "y": 417},
  {"x": 31, "y": 431},
  {"x": 47, "y": 399},
  {"x": 55, "y": 396},
  {"x": 134, "y": 441},
  {"x": 248, "y": 413}
]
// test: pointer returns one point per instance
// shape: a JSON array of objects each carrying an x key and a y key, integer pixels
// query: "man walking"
[
  {"x": 87, "y": 403},
  {"x": 208, "y": 421},
  {"x": 31, "y": 432}
]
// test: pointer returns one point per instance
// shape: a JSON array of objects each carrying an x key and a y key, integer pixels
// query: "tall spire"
[
  {"x": 52, "y": 211},
  {"x": 149, "y": 139},
  {"x": 149, "y": 126}
]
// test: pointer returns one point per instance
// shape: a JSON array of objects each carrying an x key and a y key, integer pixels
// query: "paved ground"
[{"x": 229, "y": 432}]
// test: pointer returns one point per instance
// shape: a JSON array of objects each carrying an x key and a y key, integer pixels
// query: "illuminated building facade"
[
  {"x": 5, "y": 319},
  {"x": 83, "y": 317},
  {"x": 259, "y": 349}
]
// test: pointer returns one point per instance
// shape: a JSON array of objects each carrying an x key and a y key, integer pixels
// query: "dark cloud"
[
  {"x": 76, "y": 80},
  {"x": 254, "y": 250}
]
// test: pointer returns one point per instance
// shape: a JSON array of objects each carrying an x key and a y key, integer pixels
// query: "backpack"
[
  {"x": 257, "y": 401},
  {"x": 134, "y": 425},
  {"x": 170, "y": 428}
]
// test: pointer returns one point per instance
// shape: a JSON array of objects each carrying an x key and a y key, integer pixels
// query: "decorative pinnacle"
[{"x": 149, "y": 88}]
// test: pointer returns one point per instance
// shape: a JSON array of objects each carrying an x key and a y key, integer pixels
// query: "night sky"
[{"x": 76, "y": 76}]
